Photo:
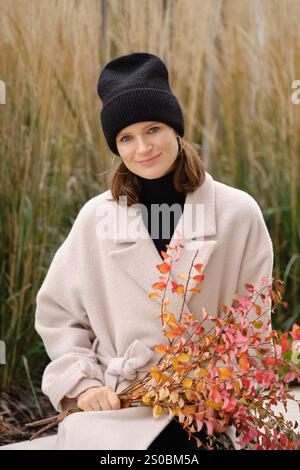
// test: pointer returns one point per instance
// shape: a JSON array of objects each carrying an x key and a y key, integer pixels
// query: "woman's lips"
[{"x": 149, "y": 162}]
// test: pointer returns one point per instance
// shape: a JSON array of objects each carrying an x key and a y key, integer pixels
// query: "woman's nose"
[{"x": 143, "y": 146}]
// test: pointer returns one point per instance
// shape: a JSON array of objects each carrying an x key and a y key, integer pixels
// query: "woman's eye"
[{"x": 154, "y": 127}]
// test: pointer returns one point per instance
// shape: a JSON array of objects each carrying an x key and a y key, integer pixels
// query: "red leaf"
[
  {"x": 198, "y": 267},
  {"x": 198, "y": 277},
  {"x": 249, "y": 287}
]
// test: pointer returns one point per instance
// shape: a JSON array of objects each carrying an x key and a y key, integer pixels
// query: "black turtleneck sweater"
[{"x": 159, "y": 191}]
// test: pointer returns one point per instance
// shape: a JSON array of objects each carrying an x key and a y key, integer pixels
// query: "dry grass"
[{"x": 18, "y": 408}]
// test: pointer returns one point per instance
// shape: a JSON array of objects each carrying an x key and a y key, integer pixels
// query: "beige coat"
[{"x": 97, "y": 322}]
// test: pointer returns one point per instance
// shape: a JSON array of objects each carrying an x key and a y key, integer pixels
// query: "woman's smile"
[{"x": 149, "y": 162}]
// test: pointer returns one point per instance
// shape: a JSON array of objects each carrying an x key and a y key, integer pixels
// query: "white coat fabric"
[{"x": 97, "y": 322}]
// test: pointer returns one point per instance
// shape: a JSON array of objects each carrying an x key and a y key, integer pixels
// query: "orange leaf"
[
  {"x": 195, "y": 289},
  {"x": 153, "y": 295},
  {"x": 225, "y": 373},
  {"x": 159, "y": 285},
  {"x": 163, "y": 268},
  {"x": 188, "y": 410},
  {"x": 244, "y": 361},
  {"x": 161, "y": 348},
  {"x": 257, "y": 309},
  {"x": 164, "y": 254},
  {"x": 203, "y": 372}
]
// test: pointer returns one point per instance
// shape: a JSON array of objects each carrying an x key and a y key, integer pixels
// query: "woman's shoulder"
[
  {"x": 236, "y": 200},
  {"x": 102, "y": 198},
  {"x": 91, "y": 206},
  {"x": 90, "y": 211}
]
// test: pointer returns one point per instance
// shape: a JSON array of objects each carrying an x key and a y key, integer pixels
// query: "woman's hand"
[{"x": 98, "y": 398}]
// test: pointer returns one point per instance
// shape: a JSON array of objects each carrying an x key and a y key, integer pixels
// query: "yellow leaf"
[
  {"x": 183, "y": 357},
  {"x": 174, "y": 361},
  {"x": 187, "y": 382},
  {"x": 182, "y": 276},
  {"x": 155, "y": 374},
  {"x": 157, "y": 410},
  {"x": 257, "y": 324},
  {"x": 153, "y": 295},
  {"x": 146, "y": 399},
  {"x": 169, "y": 317},
  {"x": 179, "y": 290},
  {"x": 195, "y": 289},
  {"x": 212, "y": 404}
]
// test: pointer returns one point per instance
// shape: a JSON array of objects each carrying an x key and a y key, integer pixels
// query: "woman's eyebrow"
[{"x": 148, "y": 125}]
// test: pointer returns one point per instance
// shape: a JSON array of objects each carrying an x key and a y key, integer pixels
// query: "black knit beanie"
[{"x": 135, "y": 88}]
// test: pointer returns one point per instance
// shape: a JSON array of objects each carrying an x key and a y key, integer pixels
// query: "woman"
[{"x": 93, "y": 312}]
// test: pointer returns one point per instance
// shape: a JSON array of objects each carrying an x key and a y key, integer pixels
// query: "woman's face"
[{"x": 144, "y": 140}]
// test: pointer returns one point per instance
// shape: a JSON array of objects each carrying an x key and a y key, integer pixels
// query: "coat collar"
[{"x": 140, "y": 258}]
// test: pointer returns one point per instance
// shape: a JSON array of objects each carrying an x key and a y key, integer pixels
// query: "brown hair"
[{"x": 189, "y": 175}]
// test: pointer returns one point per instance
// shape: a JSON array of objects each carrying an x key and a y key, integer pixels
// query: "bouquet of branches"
[{"x": 220, "y": 371}]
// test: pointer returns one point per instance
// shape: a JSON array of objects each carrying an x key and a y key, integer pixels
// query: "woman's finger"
[
  {"x": 104, "y": 402},
  {"x": 94, "y": 403},
  {"x": 85, "y": 406},
  {"x": 114, "y": 400}
]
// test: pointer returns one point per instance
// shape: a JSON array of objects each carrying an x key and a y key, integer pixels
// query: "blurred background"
[{"x": 231, "y": 63}]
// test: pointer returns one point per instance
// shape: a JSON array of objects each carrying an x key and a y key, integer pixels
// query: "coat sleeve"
[
  {"x": 257, "y": 259},
  {"x": 62, "y": 322}
]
